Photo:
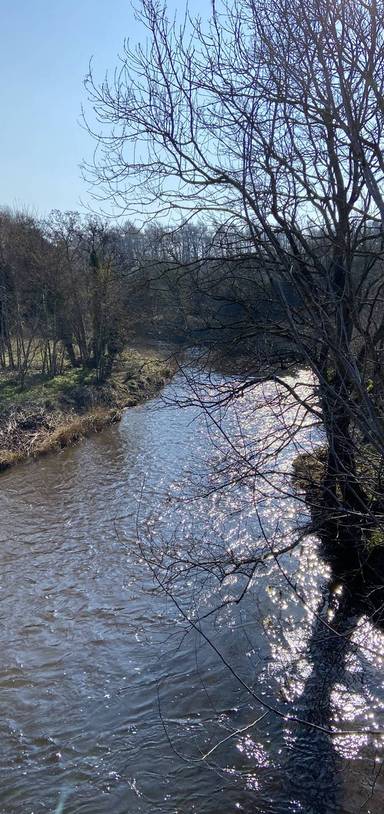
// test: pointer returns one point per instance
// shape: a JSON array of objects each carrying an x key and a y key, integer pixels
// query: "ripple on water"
[{"x": 110, "y": 704}]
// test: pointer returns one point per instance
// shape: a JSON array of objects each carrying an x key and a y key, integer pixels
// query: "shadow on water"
[
  {"x": 313, "y": 768},
  {"x": 86, "y": 643},
  {"x": 316, "y": 772}
]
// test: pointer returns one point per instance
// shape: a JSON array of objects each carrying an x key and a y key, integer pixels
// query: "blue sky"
[{"x": 45, "y": 47}]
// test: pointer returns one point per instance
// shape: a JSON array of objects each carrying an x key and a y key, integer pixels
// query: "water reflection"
[{"x": 111, "y": 702}]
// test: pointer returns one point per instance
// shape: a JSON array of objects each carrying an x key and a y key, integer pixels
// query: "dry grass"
[
  {"x": 50, "y": 415},
  {"x": 10, "y": 458},
  {"x": 70, "y": 432},
  {"x": 74, "y": 430}
]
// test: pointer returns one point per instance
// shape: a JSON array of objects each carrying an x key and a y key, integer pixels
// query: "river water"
[{"x": 111, "y": 700}]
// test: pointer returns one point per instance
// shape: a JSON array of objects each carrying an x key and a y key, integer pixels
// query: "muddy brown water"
[{"x": 109, "y": 703}]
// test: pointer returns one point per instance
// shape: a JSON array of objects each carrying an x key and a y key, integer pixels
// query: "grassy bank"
[
  {"x": 309, "y": 470},
  {"x": 46, "y": 415}
]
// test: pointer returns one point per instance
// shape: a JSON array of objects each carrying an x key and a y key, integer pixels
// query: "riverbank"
[
  {"x": 309, "y": 470},
  {"x": 47, "y": 415}
]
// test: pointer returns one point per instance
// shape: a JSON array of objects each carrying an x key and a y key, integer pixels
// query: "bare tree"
[{"x": 269, "y": 119}]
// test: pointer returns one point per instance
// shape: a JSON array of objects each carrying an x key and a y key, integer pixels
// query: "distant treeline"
[{"x": 74, "y": 290}]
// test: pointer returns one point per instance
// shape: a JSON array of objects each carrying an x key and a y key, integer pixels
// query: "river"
[{"x": 111, "y": 701}]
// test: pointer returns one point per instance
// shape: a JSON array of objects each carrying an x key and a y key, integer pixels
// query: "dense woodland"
[
  {"x": 75, "y": 290},
  {"x": 70, "y": 292}
]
